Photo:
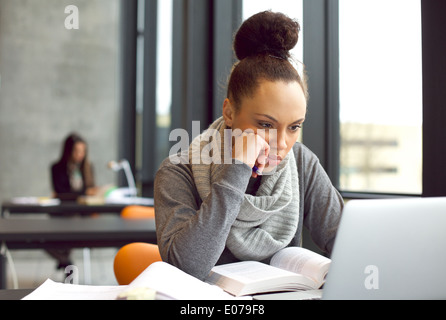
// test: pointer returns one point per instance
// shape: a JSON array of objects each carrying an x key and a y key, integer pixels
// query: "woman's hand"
[{"x": 251, "y": 149}]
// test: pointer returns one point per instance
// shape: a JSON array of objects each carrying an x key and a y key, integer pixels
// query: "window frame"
[
  {"x": 321, "y": 133},
  {"x": 321, "y": 59},
  {"x": 201, "y": 52},
  {"x": 127, "y": 122},
  {"x": 434, "y": 98}
]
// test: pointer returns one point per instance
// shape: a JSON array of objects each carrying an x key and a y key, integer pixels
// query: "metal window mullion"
[
  {"x": 227, "y": 19},
  {"x": 333, "y": 138},
  {"x": 434, "y": 98},
  {"x": 149, "y": 129},
  {"x": 127, "y": 134},
  {"x": 321, "y": 59}
]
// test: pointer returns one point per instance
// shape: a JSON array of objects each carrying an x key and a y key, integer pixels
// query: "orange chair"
[
  {"x": 134, "y": 258},
  {"x": 138, "y": 212}
]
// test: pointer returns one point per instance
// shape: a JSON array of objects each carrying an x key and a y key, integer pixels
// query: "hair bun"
[{"x": 267, "y": 32}]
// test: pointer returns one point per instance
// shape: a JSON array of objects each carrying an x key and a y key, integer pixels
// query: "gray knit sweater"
[{"x": 192, "y": 234}]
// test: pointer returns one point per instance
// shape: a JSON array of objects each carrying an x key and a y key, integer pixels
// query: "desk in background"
[
  {"x": 64, "y": 207},
  {"x": 100, "y": 232},
  {"x": 9, "y": 208}
]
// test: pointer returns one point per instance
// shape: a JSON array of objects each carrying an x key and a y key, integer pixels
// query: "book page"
[
  {"x": 172, "y": 283},
  {"x": 302, "y": 261},
  {"x": 168, "y": 282},
  {"x": 51, "y": 290},
  {"x": 251, "y": 277},
  {"x": 247, "y": 272}
]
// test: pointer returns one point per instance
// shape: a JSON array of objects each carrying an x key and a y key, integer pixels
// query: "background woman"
[{"x": 72, "y": 176}]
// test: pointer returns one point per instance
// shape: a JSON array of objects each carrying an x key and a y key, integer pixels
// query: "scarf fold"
[{"x": 266, "y": 222}]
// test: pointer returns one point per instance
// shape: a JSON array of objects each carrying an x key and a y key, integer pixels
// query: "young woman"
[
  {"x": 208, "y": 214},
  {"x": 72, "y": 175}
]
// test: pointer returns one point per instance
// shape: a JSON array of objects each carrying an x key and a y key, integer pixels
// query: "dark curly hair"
[
  {"x": 67, "y": 151},
  {"x": 263, "y": 44}
]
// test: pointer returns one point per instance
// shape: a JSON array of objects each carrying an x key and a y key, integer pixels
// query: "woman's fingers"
[
  {"x": 263, "y": 155},
  {"x": 251, "y": 149}
]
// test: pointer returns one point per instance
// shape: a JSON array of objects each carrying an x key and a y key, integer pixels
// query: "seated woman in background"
[
  {"x": 257, "y": 204},
  {"x": 72, "y": 176}
]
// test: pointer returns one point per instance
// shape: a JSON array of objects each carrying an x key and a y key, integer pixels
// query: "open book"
[
  {"x": 160, "y": 281},
  {"x": 290, "y": 269}
]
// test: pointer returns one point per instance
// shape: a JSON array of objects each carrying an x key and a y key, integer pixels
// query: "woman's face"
[
  {"x": 79, "y": 152},
  {"x": 276, "y": 111}
]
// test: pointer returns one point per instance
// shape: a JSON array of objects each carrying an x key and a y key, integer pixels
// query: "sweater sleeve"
[
  {"x": 192, "y": 234},
  {"x": 322, "y": 202}
]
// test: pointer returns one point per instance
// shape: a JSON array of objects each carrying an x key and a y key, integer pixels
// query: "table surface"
[
  {"x": 101, "y": 231},
  {"x": 63, "y": 233},
  {"x": 63, "y": 207},
  {"x": 14, "y": 294}
]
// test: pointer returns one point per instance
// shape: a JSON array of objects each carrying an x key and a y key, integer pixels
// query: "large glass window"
[
  {"x": 151, "y": 146},
  {"x": 380, "y": 96},
  {"x": 164, "y": 76}
]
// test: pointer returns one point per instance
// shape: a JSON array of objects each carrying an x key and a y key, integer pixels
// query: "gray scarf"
[{"x": 267, "y": 222}]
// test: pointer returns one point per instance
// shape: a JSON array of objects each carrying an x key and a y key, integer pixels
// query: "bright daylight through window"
[{"x": 381, "y": 96}]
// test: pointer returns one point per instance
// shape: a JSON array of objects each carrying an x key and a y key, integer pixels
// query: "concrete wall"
[{"x": 55, "y": 81}]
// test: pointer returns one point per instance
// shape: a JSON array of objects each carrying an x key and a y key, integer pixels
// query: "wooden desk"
[{"x": 109, "y": 231}]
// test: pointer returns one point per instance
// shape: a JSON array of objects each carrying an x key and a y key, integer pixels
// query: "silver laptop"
[{"x": 389, "y": 249}]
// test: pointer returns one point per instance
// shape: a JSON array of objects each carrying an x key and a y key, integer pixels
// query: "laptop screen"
[{"x": 389, "y": 249}]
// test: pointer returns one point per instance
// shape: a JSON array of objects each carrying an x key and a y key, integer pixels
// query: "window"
[
  {"x": 153, "y": 88},
  {"x": 363, "y": 60},
  {"x": 164, "y": 78},
  {"x": 380, "y": 96}
]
